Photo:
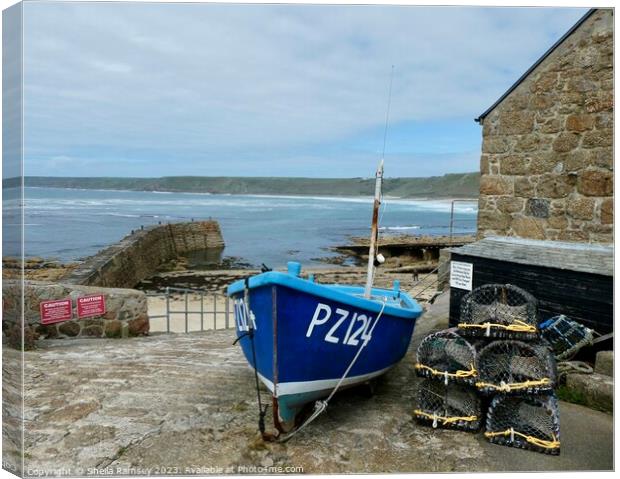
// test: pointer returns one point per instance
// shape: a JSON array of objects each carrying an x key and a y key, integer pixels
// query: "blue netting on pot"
[{"x": 565, "y": 336}]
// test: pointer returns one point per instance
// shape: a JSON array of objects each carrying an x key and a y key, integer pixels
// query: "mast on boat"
[
  {"x": 373, "y": 258},
  {"x": 374, "y": 231}
]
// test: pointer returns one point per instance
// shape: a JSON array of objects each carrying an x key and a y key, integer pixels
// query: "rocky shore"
[
  {"x": 36, "y": 269},
  {"x": 216, "y": 281},
  {"x": 399, "y": 250},
  {"x": 188, "y": 271}
]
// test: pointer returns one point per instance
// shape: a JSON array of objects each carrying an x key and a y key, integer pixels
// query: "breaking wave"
[{"x": 399, "y": 228}]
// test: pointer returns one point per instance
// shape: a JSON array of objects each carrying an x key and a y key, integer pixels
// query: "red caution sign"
[
  {"x": 93, "y": 305},
  {"x": 55, "y": 311}
]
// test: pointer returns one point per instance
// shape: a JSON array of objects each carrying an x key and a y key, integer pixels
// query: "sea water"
[{"x": 70, "y": 224}]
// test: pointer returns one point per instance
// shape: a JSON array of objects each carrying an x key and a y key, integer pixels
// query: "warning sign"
[
  {"x": 55, "y": 311},
  {"x": 461, "y": 275},
  {"x": 93, "y": 305}
]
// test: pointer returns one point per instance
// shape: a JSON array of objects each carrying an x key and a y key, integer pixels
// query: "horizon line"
[{"x": 236, "y": 176}]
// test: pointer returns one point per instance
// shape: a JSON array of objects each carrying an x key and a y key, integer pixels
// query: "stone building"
[{"x": 547, "y": 150}]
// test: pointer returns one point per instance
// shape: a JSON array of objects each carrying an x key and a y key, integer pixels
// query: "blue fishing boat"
[
  {"x": 307, "y": 340},
  {"x": 301, "y": 336}
]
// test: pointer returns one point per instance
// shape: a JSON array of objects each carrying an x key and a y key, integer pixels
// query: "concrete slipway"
[{"x": 185, "y": 404}]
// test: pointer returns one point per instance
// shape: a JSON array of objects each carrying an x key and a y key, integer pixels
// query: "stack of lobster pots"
[{"x": 493, "y": 372}]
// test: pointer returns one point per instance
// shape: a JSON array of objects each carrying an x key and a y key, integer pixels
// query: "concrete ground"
[{"x": 185, "y": 404}]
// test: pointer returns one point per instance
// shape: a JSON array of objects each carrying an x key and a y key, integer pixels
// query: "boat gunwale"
[{"x": 333, "y": 292}]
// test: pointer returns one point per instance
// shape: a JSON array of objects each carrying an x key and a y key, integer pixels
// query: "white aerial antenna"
[
  {"x": 387, "y": 113},
  {"x": 374, "y": 259}
]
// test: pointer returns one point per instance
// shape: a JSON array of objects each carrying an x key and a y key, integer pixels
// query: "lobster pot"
[
  {"x": 447, "y": 357},
  {"x": 454, "y": 406},
  {"x": 528, "y": 422},
  {"x": 499, "y": 311},
  {"x": 565, "y": 336},
  {"x": 513, "y": 367}
]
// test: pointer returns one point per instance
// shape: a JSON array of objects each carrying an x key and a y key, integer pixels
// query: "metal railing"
[
  {"x": 206, "y": 316},
  {"x": 454, "y": 219},
  {"x": 429, "y": 279}
]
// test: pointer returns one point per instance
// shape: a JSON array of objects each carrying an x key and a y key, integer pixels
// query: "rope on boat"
[
  {"x": 427, "y": 275},
  {"x": 262, "y": 411},
  {"x": 421, "y": 281},
  {"x": 321, "y": 406}
]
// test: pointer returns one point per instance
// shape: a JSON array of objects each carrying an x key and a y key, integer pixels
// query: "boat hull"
[{"x": 306, "y": 335}]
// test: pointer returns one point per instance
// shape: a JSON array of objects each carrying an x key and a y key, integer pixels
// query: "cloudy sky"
[{"x": 257, "y": 90}]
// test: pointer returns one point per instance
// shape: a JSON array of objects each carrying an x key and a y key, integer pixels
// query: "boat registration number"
[
  {"x": 243, "y": 316},
  {"x": 339, "y": 326}
]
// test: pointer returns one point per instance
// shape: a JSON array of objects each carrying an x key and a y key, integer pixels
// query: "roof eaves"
[{"x": 538, "y": 62}]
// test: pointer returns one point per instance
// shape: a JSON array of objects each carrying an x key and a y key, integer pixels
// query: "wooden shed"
[{"x": 574, "y": 279}]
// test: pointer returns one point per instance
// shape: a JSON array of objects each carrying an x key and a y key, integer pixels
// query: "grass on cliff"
[{"x": 456, "y": 185}]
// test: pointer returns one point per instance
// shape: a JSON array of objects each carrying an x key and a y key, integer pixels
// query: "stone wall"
[
  {"x": 547, "y": 150},
  {"x": 126, "y": 312},
  {"x": 141, "y": 253}
]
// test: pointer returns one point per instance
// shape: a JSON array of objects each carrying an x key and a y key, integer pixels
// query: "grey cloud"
[{"x": 201, "y": 79}]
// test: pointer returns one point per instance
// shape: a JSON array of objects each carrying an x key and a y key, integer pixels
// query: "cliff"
[{"x": 460, "y": 185}]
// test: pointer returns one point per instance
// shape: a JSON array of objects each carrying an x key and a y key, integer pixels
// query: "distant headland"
[{"x": 454, "y": 185}]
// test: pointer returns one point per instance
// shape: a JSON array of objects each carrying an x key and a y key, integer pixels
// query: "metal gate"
[{"x": 178, "y": 310}]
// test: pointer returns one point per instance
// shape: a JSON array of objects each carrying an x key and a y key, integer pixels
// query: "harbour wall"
[
  {"x": 141, "y": 253},
  {"x": 125, "y": 312},
  {"x": 110, "y": 273}
]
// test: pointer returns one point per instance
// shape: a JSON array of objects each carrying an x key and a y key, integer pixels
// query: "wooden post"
[{"x": 374, "y": 231}]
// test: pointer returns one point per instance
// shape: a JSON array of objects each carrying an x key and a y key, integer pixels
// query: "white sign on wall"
[{"x": 461, "y": 275}]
